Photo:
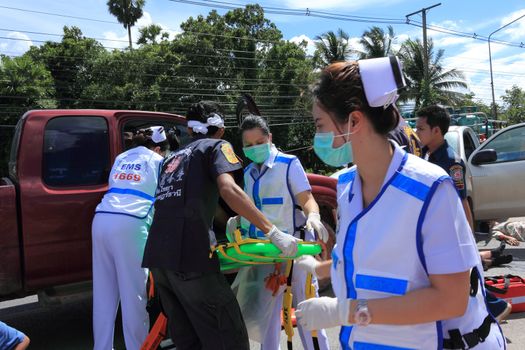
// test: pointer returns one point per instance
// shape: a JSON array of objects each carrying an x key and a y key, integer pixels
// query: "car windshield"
[{"x": 452, "y": 138}]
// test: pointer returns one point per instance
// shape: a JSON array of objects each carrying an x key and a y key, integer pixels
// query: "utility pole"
[
  {"x": 494, "y": 109},
  {"x": 423, "y": 12}
]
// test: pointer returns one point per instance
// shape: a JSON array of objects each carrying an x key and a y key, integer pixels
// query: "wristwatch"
[{"x": 362, "y": 316}]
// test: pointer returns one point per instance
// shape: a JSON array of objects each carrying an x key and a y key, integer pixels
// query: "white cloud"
[
  {"x": 508, "y": 66},
  {"x": 516, "y": 31},
  {"x": 450, "y": 41},
  {"x": 310, "y": 44},
  {"x": 450, "y": 24},
  {"x": 120, "y": 39},
  {"x": 15, "y": 47},
  {"x": 355, "y": 45}
]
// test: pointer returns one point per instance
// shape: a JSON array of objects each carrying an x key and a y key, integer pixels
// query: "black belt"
[{"x": 478, "y": 335}]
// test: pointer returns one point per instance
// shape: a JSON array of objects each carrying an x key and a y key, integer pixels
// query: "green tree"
[
  {"x": 514, "y": 105},
  {"x": 442, "y": 85},
  {"x": 24, "y": 84},
  {"x": 240, "y": 52},
  {"x": 70, "y": 63},
  {"x": 470, "y": 99},
  {"x": 377, "y": 43},
  {"x": 331, "y": 47},
  {"x": 127, "y": 13},
  {"x": 149, "y": 34}
]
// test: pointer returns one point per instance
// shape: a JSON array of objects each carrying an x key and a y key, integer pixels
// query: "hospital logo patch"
[{"x": 228, "y": 152}]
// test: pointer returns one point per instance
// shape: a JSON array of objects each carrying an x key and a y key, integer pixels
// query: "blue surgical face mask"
[
  {"x": 258, "y": 153},
  {"x": 335, "y": 157}
]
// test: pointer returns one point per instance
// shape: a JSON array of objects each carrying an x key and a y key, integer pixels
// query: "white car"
[
  {"x": 497, "y": 170},
  {"x": 464, "y": 141}
]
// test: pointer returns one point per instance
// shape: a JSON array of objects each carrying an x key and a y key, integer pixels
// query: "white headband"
[
  {"x": 159, "y": 134},
  {"x": 202, "y": 128},
  {"x": 382, "y": 78}
]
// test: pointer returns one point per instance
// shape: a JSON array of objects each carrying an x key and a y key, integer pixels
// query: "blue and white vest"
[
  {"x": 271, "y": 193},
  {"x": 132, "y": 184},
  {"x": 371, "y": 262}
]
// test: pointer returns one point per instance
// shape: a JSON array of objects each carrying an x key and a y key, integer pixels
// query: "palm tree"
[
  {"x": 377, "y": 43},
  {"x": 150, "y": 34},
  {"x": 127, "y": 12},
  {"x": 442, "y": 85},
  {"x": 331, "y": 47}
]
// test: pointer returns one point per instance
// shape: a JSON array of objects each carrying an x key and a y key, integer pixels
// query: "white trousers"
[
  {"x": 272, "y": 338},
  {"x": 118, "y": 246}
]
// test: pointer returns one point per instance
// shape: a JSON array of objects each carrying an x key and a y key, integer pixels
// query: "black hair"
[
  {"x": 436, "y": 116},
  {"x": 254, "y": 121},
  {"x": 142, "y": 137},
  {"x": 201, "y": 111},
  {"x": 339, "y": 91}
]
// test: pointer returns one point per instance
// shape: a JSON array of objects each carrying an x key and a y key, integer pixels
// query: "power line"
[
  {"x": 57, "y": 15},
  {"x": 345, "y": 17},
  {"x": 126, "y": 41},
  {"x": 295, "y": 12}
]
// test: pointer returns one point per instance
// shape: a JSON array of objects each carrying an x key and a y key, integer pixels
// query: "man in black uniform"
[
  {"x": 431, "y": 126},
  {"x": 201, "y": 308}
]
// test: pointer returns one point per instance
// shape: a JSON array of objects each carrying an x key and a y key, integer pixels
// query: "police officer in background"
[
  {"x": 431, "y": 126},
  {"x": 201, "y": 308}
]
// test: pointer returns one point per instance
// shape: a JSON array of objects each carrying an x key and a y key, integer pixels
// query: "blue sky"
[{"x": 463, "y": 53}]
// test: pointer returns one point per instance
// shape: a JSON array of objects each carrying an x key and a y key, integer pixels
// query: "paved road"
[{"x": 68, "y": 327}]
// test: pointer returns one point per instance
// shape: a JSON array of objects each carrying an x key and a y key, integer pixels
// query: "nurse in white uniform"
[
  {"x": 406, "y": 272},
  {"x": 277, "y": 184},
  {"x": 119, "y": 231}
]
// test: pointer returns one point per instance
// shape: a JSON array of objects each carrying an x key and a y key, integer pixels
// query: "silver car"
[{"x": 497, "y": 170}]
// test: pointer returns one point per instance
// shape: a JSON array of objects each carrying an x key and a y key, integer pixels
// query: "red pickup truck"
[{"x": 58, "y": 170}]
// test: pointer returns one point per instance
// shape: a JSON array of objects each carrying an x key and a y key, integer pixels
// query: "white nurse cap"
[
  {"x": 158, "y": 135},
  {"x": 382, "y": 78}
]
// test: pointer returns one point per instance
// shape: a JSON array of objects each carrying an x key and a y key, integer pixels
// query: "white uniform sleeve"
[
  {"x": 448, "y": 243},
  {"x": 297, "y": 178}
]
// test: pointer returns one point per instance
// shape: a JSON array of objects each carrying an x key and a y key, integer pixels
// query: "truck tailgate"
[{"x": 10, "y": 259}]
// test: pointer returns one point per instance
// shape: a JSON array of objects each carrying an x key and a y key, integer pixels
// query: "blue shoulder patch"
[
  {"x": 346, "y": 177},
  {"x": 284, "y": 158}
]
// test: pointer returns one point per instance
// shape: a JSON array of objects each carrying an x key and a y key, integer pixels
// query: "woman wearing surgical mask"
[
  {"x": 405, "y": 272},
  {"x": 277, "y": 184}
]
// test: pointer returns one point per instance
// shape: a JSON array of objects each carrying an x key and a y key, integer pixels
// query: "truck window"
[
  {"x": 469, "y": 144},
  {"x": 76, "y": 152},
  {"x": 132, "y": 126}
]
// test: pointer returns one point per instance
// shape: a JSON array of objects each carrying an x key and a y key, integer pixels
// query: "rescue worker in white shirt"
[
  {"x": 277, "y": 185},
  {"x": 120, "y": 229},
  {"x": 200, "y": 306},
  {"x": 405, "y": 269}
]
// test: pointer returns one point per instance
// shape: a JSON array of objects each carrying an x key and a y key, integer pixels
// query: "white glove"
[
  {"x": 323, "y": 312},
  {"x": 314, "y": 223},
  {"x": 233, "y": 223},
  {"x": 285, "y": 242},
  {"x": 307, "y": 263}
]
